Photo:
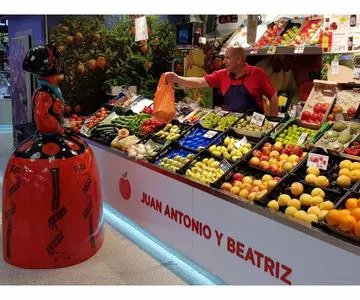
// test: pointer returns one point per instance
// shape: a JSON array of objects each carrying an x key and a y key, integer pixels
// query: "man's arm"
[
  {"x": 274, "y": 105},
  {"x": 186, "y": 82}
]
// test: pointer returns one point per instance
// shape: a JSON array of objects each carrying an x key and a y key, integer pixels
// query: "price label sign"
[
  {"x": 141, "y": 32},
  {"x": 225, "y": 165},
  {"x": 240, "y": 143},
  {"x": 84, "y": 130},
  {"x": 318, "y": 160},
  {"x": 272, "y": 50},
  {"x": 302, "y": 138},
  {"x": 254, "y": 51},
  {"x": 210, "y": 134},
  {"x": 299, "y": 49},
  {"x": 67, "y": 123},
  {"x": 257, "y": 119},
  {"x": 334, "y": 67}
]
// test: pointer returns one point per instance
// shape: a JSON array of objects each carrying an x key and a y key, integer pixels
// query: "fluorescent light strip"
[{"x": 182, "y": 266}]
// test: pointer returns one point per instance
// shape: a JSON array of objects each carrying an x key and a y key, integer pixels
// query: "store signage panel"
[
  {"x": 155, "y": 201},
  {"x": 247, "y": 248}
]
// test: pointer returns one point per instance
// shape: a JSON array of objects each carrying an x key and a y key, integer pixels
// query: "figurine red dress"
[{"x": 52, "y": 209}]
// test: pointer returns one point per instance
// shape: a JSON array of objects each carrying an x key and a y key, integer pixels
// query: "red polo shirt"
[{"x": 254, "y": 79}]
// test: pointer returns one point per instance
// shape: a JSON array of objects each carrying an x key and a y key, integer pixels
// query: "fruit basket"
[
  {"x": 339, "y": 136},
  {"x": 300, "y": 202},
  {"x": 308, "y": 33},
  {"x": 341, "y": 174},
  {"x": 247, "y": 183},
  {"x": 344, "y": 219},
  {"x": 198, "y": 138},
  {"x": 219, "y": 121},
  {"x": 231, "y": 146},
  {"x": 173, "y": 157},
  {"x": 293, "y": 132},
  {"x": 202, "y": 168},
  {"x": 287, "y": 35},
  {"x": 319, "y": 103},
  {"x": 171, "y": 132},
  {"x": 195, "y": 116},
  {"x": 275, "y": 157},
  {"x": 245, "y": 127}
]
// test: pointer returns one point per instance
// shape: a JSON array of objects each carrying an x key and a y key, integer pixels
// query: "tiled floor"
[{"x": 119, "y": 261}]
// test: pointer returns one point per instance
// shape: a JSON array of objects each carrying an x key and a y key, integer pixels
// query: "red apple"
[
  {"x": 264, "y": 165},
  {"x": 257, "y": 153},
  {"x": 278, "y": 146},
  {"x": 288, "y": 148},
  {"x": 237, "y": 183},
  {"x": 265, "y": 150},
  {"x": 226, "y": 186},
  {"x": 297, "y": 150},
  {"x": 273, "y": 169},
  {"x": 264, "y": 158},
  {"x": 238, "y": 176},
  {"x": 274, "y": 154},
  {"x": 254, "y": 161},
  {"x": 268, "y": 145}
]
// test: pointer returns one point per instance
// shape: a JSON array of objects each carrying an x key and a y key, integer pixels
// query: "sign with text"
[
  {"x": 141, "y": 32},
  {"x": 257, "y": 119},
  {"x": 318, "y": 160}
]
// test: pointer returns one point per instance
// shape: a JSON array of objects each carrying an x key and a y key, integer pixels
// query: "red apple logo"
[{"x": 125, "y": 187}]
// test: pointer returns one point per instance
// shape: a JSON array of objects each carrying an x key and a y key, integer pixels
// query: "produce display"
[
  {"x": 123, "y": 100},
  {"x": 199, "y": 138},
  {"x": 302, "y": 202},
  {"x": 206, "y": 170},
  {"x": 143, "y": 151},
  {"x": 245, "y": 127},
  {"x": 287, "y": 36},
  {"x": 230, "y": 148},
  {"x": 195, "y": 116},
  {"x": 271, "y": 33},
  {"x": 308, "y": 32},
  {"x": 250, "y": 184},
  {"x": 219, "y": 122},
  {"x": 276, "y": 157},
  {"x": 96, "y": 118},
  {"x": 339, "y": 136},
  {"x": 292, "y": 133},
  {"x": 123, "y": 144},
  {"x": 346, "y": 217},
  {"x": 339, "y": 176},
  {"x": 150, "y": 125},
  {"x": 353, "y": 148},
  {"x": 169, "y": 133},
  {"x": 347, "y": 103},
  {"x": 175, "y": 159},
  {"x": 76, "y": 122},
  {"x": 133, "y": 122}
]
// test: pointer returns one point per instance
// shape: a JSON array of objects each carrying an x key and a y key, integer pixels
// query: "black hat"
[{"x": 44, "y": 60}]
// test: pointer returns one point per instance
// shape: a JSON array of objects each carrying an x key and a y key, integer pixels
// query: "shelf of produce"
[
  {"x": 252, "y": 245},
  {"x": 308, "y": 50}
]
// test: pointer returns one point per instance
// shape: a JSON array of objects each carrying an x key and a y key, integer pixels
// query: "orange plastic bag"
[{"x": 164, "y": 101}]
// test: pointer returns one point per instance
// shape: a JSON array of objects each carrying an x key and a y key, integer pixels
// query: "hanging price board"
[
  {"x": 257, "y": 119},
  {"x": 272, "y": 50},
  {"x": 317, "y": 160}
]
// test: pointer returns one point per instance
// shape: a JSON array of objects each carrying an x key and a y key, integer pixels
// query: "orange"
[
  {"x": 357, "y": 229},
  {"x": 344, "y": 212},
  {"x": 351, "y": 203},
  {"x": 333, "y": 217},
  {"x": 356, "y": 213},
  {"x": 347, "y": 223}
]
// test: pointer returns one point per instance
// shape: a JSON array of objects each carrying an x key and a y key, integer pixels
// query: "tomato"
[
  {"x": 351, "y": 111},
  {"x": 306, "y": 116},
  {"x": 98, "y": 114},
  {"x": 317, "y": 108},
  {"x": 324, "y": 107},
  {"x": 331, "y": 117}
]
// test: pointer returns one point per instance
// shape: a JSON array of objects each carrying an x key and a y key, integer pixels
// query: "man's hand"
[{"x": 171, "y": 77}]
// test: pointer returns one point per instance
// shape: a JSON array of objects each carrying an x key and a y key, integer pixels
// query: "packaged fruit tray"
[
  {"x": 344, "y": 219},
  {"x": 203, "y": 168},
  {"x": 308, "y": 204},
  {"x": 275, "y": 157},
  {"x": 231, "y": 146},
  {"x": 247, "y": 183},
  {"x": 308, "y": 33},
  {"x": 219, "y": 121},
  {"x": 171, "y": 132},
  {"x": 352, "y": 151},
  {"x": 274, "y": 29},
  {"x": 173, "y": 157},
  {"x": 319, "y": 103},
  {"x": 293, "y": 129},
  {"x": 347, "y": 102},
  {"x": 287, "y": 34},
  {"x": 339, "y": 136},
  {"x": 195, "y": 116},
  {"x": 198, "y": 138},
  {"x": 341, "y": 174},
  {"x": 245, "y": 127}
]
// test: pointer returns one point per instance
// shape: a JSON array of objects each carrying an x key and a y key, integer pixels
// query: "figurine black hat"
[{"x": 44, "y": 60}]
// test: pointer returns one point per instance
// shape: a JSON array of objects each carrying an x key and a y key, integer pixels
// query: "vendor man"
[{"x": 242, "y": 85}]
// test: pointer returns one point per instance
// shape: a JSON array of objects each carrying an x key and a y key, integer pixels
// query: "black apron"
[{"x": 239, "y": 99}]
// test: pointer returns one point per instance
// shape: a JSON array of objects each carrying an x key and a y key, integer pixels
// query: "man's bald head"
[
  {"x": 235, "y": 59},
  {"x": 238, "y": 52}
]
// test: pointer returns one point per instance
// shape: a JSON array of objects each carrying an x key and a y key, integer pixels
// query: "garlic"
[
  {"x": 131, "y": 153},
  {"x": 139, "y": 156}
]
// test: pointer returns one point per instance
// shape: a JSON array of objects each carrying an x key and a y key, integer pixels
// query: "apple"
[
  {"x": 237, "y": 183},
  {"x": 271, "y": 183},
  {"x": 235, "y": 190},
  {"x": 274, "y": 169},
  {"x": 288, "y": 148},
  {"x": 287, "y": 166},
  {"x": 267, "y": 144},
  {"x": 283, "y": 156},
  {"x": 254, "y": 189},
  {"x": 273, "y": 161},
  {"x": 238, "y": 176},
  {"x": 257, "y": 182},
  {"x": 264, "y": 158},
  {"x": 226, "y": 186},
  {"x": 278, "y": 146},
  {"x": 125, "y": 187},
  {"x": 265, "y": 150},
  {"x": 274, "y": 154},
  {"x": 297, "y": 150},
  {"x": 264, "y": 165},
  {"x": 254, "y": 161},
  {"x": 257, "y": 153}
]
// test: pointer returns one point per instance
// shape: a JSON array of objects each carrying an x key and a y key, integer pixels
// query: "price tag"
[
  {"x": 225, "y": 165},
  {"x": 335, "y": 67},
  {"x": 84, "y": 130},
  {"x": 210, "y": 134},
  {"x": 141, "y": 32},
  {"x": 240, "y": 143},
  {"x": 257, "y": 119},
  {"x": 299, "y": 49},
  {"x": 302, "y": 138},
  {"x": 67, "y": 123},
  {"x": 282, "y": 100},
  {"x": 317, "y": 160},
  {"x": 254, "y": 51},
  {"x": 271, "y": 50}
]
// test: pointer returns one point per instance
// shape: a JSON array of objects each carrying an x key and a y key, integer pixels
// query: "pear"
[
  {"x": 217, "y": 153},
  {"x": 212, "y": 148},
  {"x": 227, "y": 141},
  {"x": 230, "y": 147}
]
